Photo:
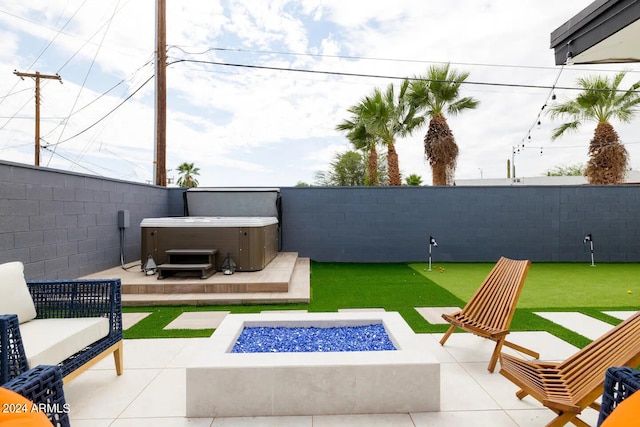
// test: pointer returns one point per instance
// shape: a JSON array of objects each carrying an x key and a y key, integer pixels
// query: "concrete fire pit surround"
[{"x": 224, "y": 384}]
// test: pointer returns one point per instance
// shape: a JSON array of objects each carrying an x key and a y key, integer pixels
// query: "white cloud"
[{"x": 245, "y": 126}]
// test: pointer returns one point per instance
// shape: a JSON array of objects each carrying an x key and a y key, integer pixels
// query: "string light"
[{"x": 538, "y": 122}]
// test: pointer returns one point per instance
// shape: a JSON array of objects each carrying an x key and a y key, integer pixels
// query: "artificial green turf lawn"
[
  {"x": 394, "y": 287},
  {"x": 401, "y": 287},
  {"x": 550, "y": 285}
]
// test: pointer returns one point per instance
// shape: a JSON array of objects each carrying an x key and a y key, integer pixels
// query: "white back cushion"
[{"x": 14, "y": 294}]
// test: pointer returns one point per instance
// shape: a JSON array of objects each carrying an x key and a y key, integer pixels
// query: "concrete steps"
[{"x": 286, "y": 279}]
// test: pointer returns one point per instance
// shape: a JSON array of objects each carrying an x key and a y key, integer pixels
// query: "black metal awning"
[{"x": 606, "y": 31}]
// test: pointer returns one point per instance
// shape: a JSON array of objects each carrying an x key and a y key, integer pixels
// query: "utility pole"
[
  {"x": 160, "y": 152},
  {"x": 37, "y": 76}
]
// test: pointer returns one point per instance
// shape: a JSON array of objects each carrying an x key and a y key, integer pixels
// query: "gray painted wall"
[
  {"x": 381, "y": 224},
  {"x": 64, "y": 225}
]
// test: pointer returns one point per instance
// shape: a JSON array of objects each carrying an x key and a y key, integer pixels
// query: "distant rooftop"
[{"x": 633, "y": 177}]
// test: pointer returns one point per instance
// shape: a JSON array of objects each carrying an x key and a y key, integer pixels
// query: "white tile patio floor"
[{"x": 151, "y": 392}]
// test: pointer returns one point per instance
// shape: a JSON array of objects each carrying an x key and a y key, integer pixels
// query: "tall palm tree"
[
  {"x": 390, "y": 115},
  {"x": 187, "y": 172},
  {"x": 362, "y": 140},
  {"x": 437, "y": 93},
  {"x": 600, "y": 101}
]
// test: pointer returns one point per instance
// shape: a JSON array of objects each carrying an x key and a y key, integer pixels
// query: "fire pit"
[{"x": 220, "y": 383}]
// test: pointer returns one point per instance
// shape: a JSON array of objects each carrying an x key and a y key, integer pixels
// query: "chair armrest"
[
  {"x": 78, "y": 298},
  {"x": 13, "y": 361},
  {"x": 43, "y": 386},
  {"x": 619, "y": 383}
]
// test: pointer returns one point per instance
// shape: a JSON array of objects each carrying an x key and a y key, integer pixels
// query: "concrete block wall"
[
  {"x": 64, "y": 225},
  {"x": 385, "y": 224}
]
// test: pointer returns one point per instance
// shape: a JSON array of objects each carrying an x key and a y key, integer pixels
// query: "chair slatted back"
[
  {"x": 494, "y": 303},
  {"x": 586, "y": 369}
]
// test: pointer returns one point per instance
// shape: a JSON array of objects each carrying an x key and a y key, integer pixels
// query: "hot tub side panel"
[
  {"x": 252, "y": 248},
  {"x": 157, "y": 240},
  {"x": 261, "y": 244},
  {"x": 272, "y": 242}
]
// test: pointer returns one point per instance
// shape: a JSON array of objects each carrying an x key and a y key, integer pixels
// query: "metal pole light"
[
  {"x": 432, "y": 242},
  {"x": 589, "y": 238}
]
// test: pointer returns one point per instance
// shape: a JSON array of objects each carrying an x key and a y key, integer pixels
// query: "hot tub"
[{"x": 252, "y": 242}]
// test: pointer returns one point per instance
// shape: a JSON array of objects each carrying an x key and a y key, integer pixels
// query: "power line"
[
  {"x": 103, "y": 117},
  {"x": 30, "y": 117},
  {"x": 21, "y": 145},
  {"x": 70, "y": 161},
  {"x": 369, "y": 58},
  {"x": 87, "y": 105},
  {"x": 133, "y": 76},
  {"x": 99, "y": 166},
  {"x": 14, "y": 93},
  {"x": 380, "y": 76},
  {"x": 93, "y": 61},
  {"x": 86, "y": 42},
  {"x": 58, "y": 32}
]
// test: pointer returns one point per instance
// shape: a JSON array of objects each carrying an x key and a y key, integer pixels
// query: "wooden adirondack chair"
[
  {"x": 573, "y": 385},
  {"x": 489, "y": 311}
]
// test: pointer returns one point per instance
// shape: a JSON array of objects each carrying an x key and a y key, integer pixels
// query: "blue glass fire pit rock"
[{"x": 260, "y": 339}]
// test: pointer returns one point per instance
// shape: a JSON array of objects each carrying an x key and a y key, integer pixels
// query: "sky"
[{"x": 246, "y": 126}]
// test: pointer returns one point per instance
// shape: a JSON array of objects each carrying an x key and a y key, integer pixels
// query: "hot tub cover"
[{"x": 209, "y": 221}]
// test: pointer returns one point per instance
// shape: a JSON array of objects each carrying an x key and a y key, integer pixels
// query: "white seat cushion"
[
  {"x": 14, "y": 294},
  {"x": 50, "y": 341}
]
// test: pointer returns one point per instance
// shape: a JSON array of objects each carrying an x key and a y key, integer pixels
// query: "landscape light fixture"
[
  {"x": 432, "y": 243},
  {"x": 150, "y": 266},
  {"x": 589, "y": 239},
  {"x": 228, "y": 265}
]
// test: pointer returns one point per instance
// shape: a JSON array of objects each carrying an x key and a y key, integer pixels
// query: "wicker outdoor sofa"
[{"x": 71, "y": 324}]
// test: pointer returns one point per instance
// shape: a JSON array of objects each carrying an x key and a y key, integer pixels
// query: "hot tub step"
[
  {"x": 166, "y": 270},
  {"x": 191, "y": 256}
]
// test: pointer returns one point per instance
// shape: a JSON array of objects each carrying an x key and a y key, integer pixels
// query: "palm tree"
[
  {"x": 361, "y": 139},
  {"x": 437, "y": 93},
  {"x": 187, "y": 172},
  {"x": 390, "y": 115},
  {"x": 600, "y": 101},
  {"x": 413, "y": 179}
]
